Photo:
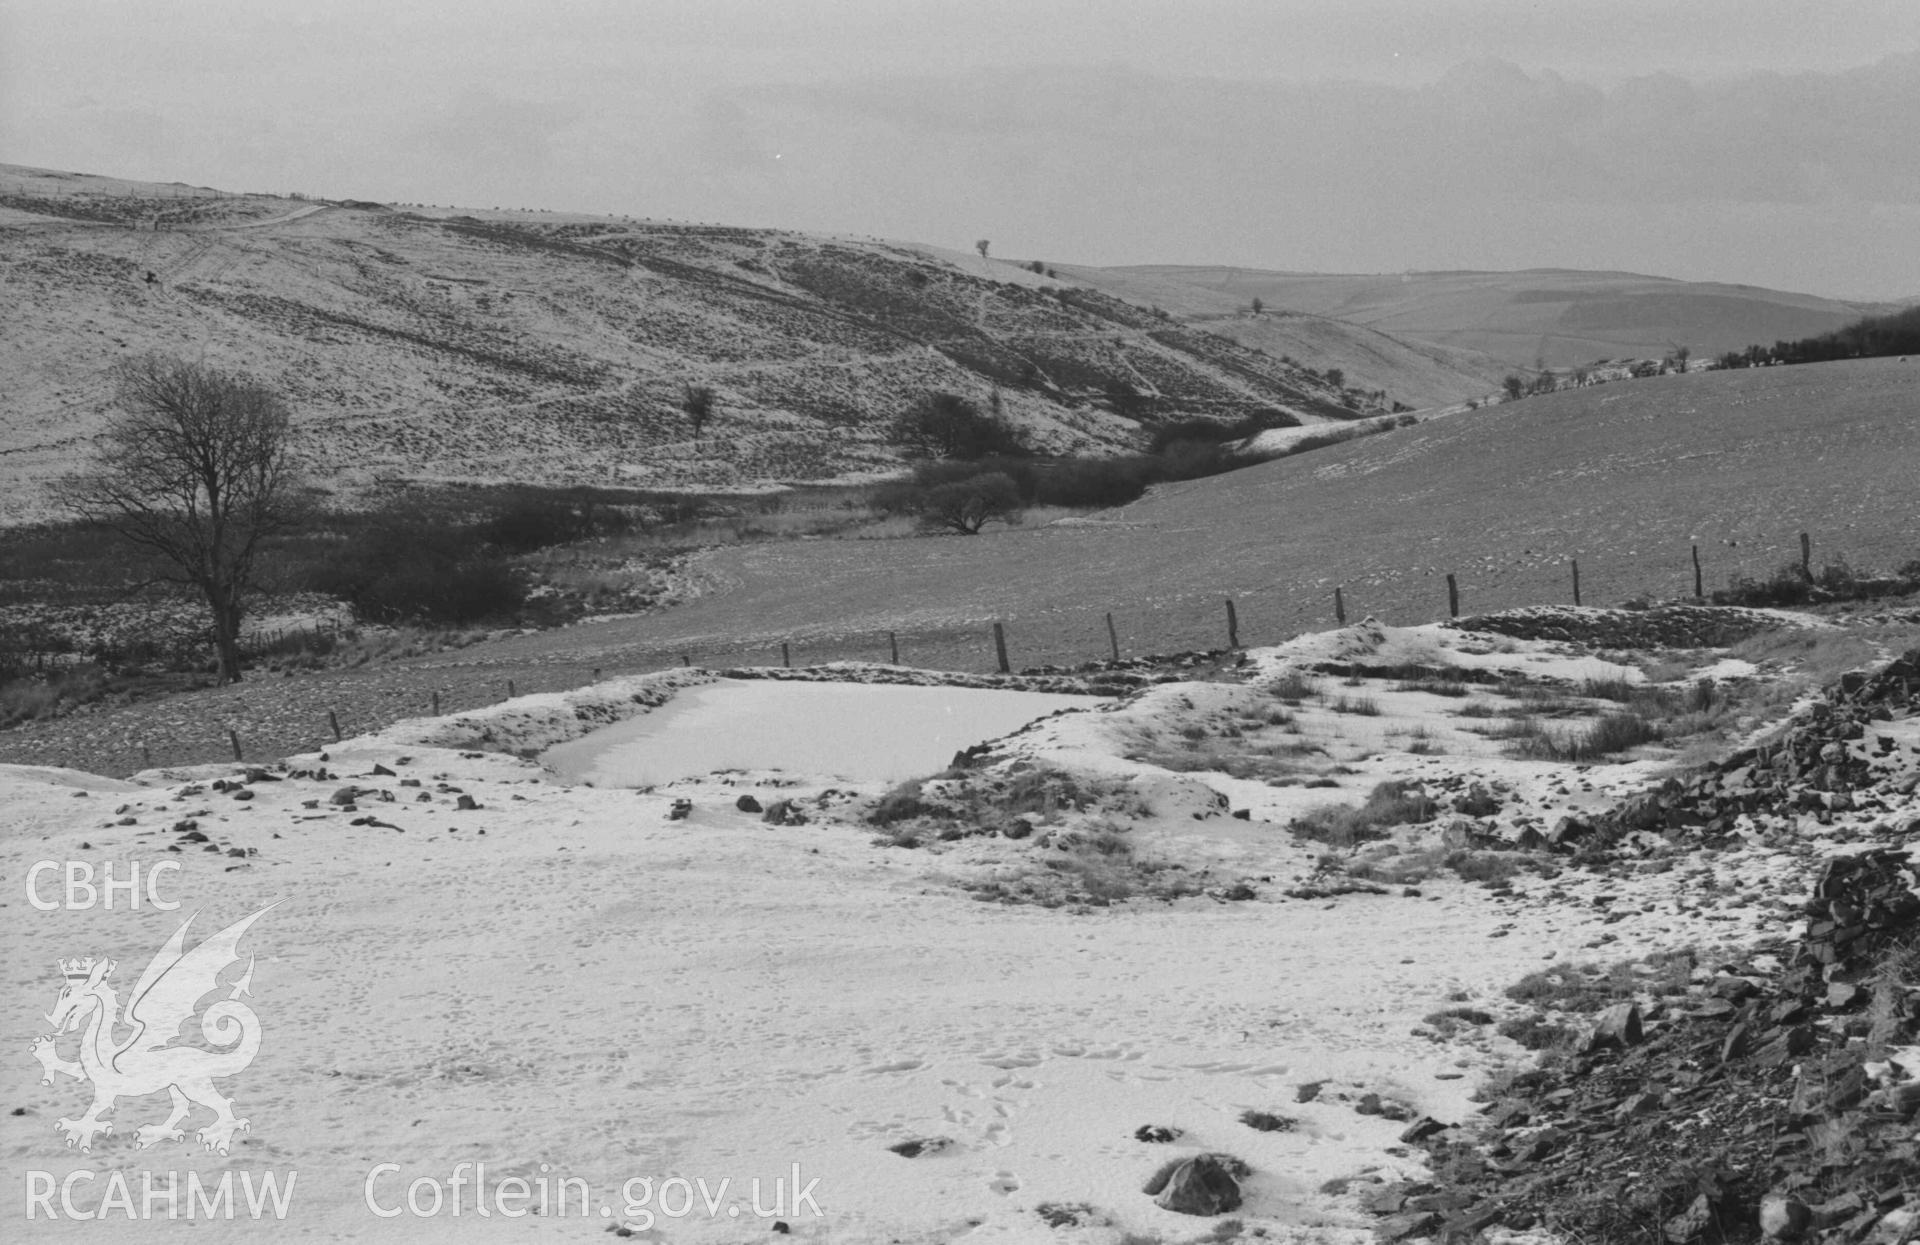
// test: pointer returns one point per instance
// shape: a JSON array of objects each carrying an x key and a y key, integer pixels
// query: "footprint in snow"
[{"x": 899, "y": 1065}]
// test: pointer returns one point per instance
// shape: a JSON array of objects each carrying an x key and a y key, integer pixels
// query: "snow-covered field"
[{"x": 558, "y": 982}]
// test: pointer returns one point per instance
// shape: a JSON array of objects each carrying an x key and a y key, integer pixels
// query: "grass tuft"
[{"x": 1389, "y": 804}]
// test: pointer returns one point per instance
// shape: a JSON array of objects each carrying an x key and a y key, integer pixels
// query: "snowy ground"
[{"x": 563, "y": 983}]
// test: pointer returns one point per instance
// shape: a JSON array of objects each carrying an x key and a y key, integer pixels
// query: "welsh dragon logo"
[{"x": 147, "y": 1060}]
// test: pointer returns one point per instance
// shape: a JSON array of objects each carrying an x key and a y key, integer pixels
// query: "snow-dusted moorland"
[{"x": 1089, "y": 931}]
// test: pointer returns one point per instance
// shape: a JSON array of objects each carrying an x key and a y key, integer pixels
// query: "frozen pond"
[{"x": 853, "y": 731}]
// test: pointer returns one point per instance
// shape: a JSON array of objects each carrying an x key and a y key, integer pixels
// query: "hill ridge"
[
  {"x": 1559, "y": 317},
  {"x": 467, "y": 344}
]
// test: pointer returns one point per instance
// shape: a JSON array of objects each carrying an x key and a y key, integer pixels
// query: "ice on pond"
[{"x": 850, "y": 731}]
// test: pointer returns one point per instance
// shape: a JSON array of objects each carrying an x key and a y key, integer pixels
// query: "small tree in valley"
[
  {"x": 698, "y": 402},
  {"x": 968, "y": 505}
]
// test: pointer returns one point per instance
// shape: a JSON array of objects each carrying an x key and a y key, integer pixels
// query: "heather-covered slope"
[
  {"x": 542, "y": 347},
  {"x": 1624, "y": 477}
]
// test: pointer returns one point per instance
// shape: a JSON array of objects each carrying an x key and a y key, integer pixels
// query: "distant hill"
[
  {"x": 1563, "y": 317},
  {"x": 417, "y": 343},
  {"x": 1421, "y": 373}
]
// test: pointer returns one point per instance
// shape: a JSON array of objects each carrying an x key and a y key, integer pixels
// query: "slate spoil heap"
[
  {"x": 1826, "y": 761},
  {"x": 1774, "y": 1096}
]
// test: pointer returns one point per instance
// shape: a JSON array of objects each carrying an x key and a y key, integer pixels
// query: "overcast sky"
[{"x": 1771, "y": 142}]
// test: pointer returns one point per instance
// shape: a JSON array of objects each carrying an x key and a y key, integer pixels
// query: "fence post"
[
  {"x": 1453, "y": 597},
  {"x": 234, "y": 737},
  {"x": 1576, "y": 581},
  {"x": 1000, "y": 647},
  {"x": 436, "y": 703},
  {"x": 786, "y": 657},
  {"x": 893, "y": 644},
  {"x": 333, "y": 720},
  {"x": 1113, "y": 639},
  {"x": 1697, "y": 593},
  {"x": 1339, "y": 608},
  {"x": 1806, "y": 557},
  {"x": 1233, "y": 626}
]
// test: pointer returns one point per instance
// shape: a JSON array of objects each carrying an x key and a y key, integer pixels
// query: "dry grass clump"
[
  {"x": 1451, "y": 1021},
  {"x": 1239, "y": 759},
  {"x": 1491, "y": 868},
  {"x": 1419, "y": 741},
  {"x": 1611, "y": 735},
  {"x": 1015, "y": 803},
  {"x": 1389, "y": 865},
  {"x": 371, "y": 647},
  {"x": 903, "y": 803},
  {"x": 1389, "y": 804},
  {"x": 32, "y": 698},
  {"x": 1438, "y": 685},
  {"x": 1819, "y": 656},
  {"x": 1643, "y": 714},
  {"x": 1292, "y": 687},
  {"x": 1093, "y": 864},
  {"x": 1588, "y": 988},
  {"x": 60, "y": 691}
]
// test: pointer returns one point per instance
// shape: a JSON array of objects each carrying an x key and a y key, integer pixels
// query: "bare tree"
[
  {"x": 981, "y": 246},
  {"x": 698, "y": 402},
  {"x": 968, "y": 505},
  {"x": 193, "y": 465}
]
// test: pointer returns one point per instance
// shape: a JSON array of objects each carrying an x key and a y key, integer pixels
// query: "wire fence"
[{"x": 261, "y": 720}]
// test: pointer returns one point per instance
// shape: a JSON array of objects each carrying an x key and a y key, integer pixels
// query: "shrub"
[
  {"x": 32, "y": 698},
  {"x": 1214, "y": 432},
  {"x": 903, "y": 803},
  {"x": 1534, "y": 1032},
  {"x": 1042, "y": 792},
  {"x": 1095, "y": 482},
  {"x": 1837, "y": 581},
  {"x": 536, "y": 523},
  {"x": 1786, "y": 586},
  {"x": 946, "y": 425},
  {"x": 1494, "y": 867},
  {"x": 418, "y": 569}
]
